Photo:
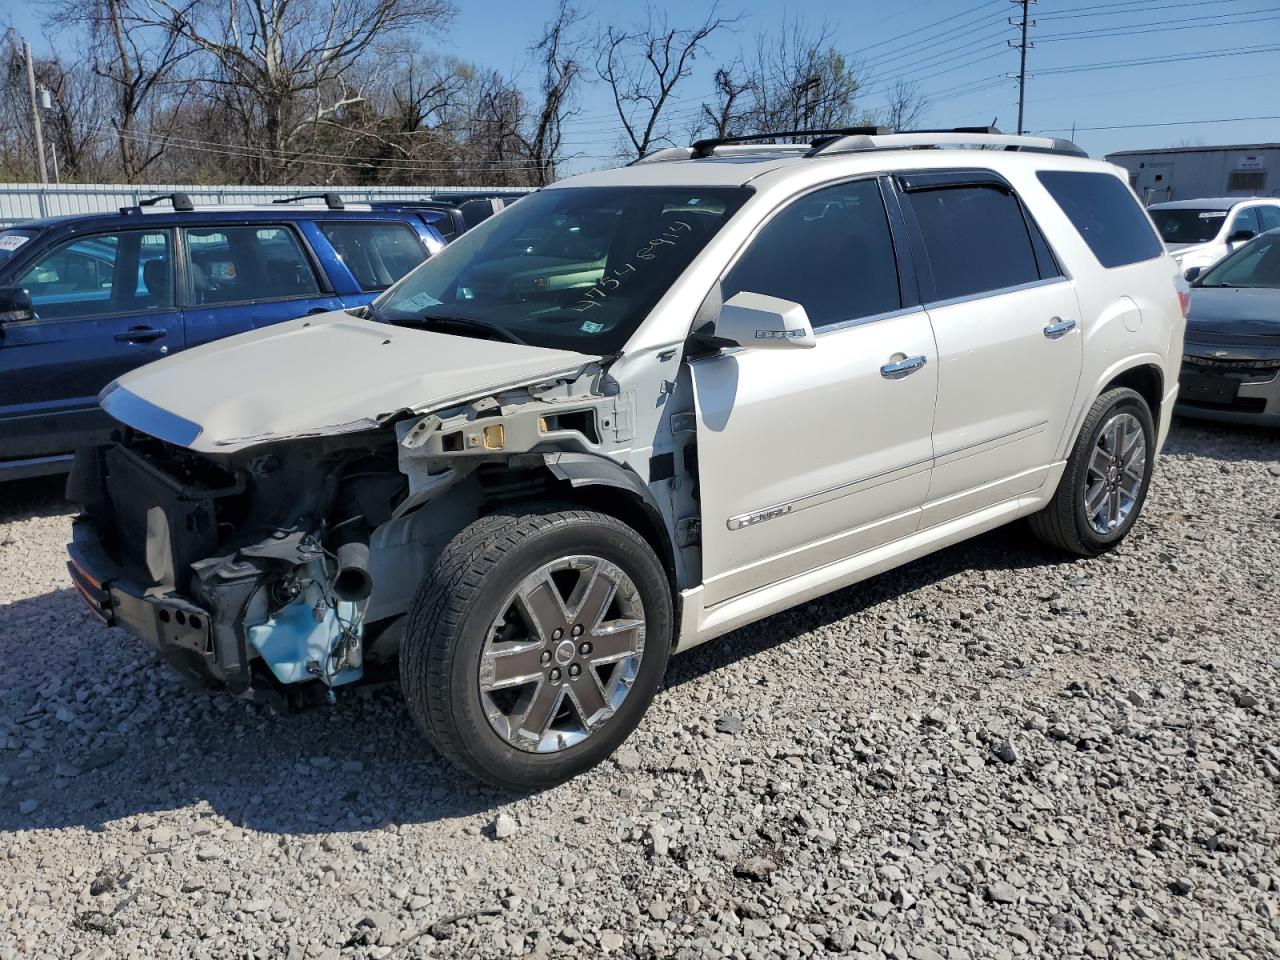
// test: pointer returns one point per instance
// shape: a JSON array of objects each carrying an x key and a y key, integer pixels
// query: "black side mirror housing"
[
  {"x": 15, "y": 305},
  {"x": 1192, "y": 273},
  {"x": 1240, "y": 236}
]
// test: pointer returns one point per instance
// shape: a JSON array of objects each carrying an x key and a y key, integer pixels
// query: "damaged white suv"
[{"x": 634, "y": 411}]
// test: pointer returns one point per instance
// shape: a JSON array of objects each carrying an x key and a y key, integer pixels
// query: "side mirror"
[
  {"x": 760, "y": 322},
  {"x": 1192, "y": 273},
  {"x": 15, "y": 305},
  {"x": 1240, "y": 236}
]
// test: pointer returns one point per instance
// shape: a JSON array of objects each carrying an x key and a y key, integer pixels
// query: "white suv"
[
  {"x": 631, "y": 413},
  {"x": 1199, "y": 233}
]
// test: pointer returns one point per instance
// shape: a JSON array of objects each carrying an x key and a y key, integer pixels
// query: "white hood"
[{"x": 324, "y": 374}]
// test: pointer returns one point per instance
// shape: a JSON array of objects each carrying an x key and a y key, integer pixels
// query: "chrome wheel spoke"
[
  {"x": 589, "y": 698},
  {"x": 542, "y": 706},
  {"x": 1099, "y": 462},
  {"x": 543, "y": 608},
  {"x": 615, "y": 640},
  {"x": 1113, "y": 508},
  {"x": 1095, "y": 498},
  {"x": 506, "y": 668},
  {"x": 596, "y": 594}
]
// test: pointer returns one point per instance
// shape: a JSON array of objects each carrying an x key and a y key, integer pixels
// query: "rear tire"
[
  {"x": 536, "y": 643},
  {"x": 1106, "y": 479}
]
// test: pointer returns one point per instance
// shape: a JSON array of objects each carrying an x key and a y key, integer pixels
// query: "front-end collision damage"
[{"x": 299, "y": 559}]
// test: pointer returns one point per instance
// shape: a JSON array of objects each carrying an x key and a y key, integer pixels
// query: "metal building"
[{"x": 1185, "y": 173}]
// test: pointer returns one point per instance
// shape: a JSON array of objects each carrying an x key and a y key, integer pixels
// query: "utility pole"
[
  {"x": 35, "y": 113},
  {"x": 1022, "y": 46}
]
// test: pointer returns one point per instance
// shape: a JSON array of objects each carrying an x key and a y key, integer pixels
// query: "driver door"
[{"x": 809, "y": 456}]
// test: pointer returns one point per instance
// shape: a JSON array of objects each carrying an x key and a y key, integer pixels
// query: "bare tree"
[
  {"x": 907, "y": 106},
  {"x": 560, "y": 52},
  {"x": 802, "y": 82},
  {"x": 643, "y": 65},
  {"x": 138, "y": 62},
  {"x": 286, "y": 60},
  {"x": 724, "y": 115}
]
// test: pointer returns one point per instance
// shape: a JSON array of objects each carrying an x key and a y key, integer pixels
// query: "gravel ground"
[{"x": 989, "y": 753}]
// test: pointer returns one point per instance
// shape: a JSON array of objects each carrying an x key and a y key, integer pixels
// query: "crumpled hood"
[{"x": 324, "y": 374}]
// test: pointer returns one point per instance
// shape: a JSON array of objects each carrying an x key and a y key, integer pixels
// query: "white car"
[
  {"x": 633, "y": 412},
  {"x": 1199, "y": 233}
]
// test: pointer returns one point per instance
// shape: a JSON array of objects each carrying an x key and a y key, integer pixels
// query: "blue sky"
[{"x": 958, "y": 55}]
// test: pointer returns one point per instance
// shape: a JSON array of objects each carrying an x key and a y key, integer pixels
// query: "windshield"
[
  {"x": 1188, "y": 225},
  {"x": 576, "y": 268},
  {"x": 1256, "y": 264},
  {"x": 11, "y": 241}
]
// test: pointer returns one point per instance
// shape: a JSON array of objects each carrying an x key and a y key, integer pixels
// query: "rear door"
[
  {"x": 104, "y": 304},
  {"x": 1007, "y": 326},
  {"x": 806, "y": 457},
  {"x": 240, "y": 277}
]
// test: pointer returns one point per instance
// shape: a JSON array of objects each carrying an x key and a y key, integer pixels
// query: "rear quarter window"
[{"x": 1106, "y": 214}]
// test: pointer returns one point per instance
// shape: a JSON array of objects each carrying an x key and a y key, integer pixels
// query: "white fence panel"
[{"x": 29, "y": 201}]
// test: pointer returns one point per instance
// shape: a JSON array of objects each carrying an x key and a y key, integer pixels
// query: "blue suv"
[{"x": 85, "y": 298}]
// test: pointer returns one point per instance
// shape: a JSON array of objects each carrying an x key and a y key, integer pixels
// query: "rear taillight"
[{"x": 1184, "y": 301}]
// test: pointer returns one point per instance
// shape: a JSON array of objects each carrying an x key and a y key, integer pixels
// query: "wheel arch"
[
  {"x": 1143, "y": 373},
  {"x": 605, "y": 485}
]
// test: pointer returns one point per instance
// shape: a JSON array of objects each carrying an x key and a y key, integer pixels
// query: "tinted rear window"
[{"x": 1107, "y": 215}]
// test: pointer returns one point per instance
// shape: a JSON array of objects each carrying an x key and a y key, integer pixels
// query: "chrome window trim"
[
  {"x": 841, "y": 325},
  {"x": 999, "y": 291}
]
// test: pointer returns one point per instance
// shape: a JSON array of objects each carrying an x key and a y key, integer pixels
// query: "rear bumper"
[{"x": 177, "y": 629}]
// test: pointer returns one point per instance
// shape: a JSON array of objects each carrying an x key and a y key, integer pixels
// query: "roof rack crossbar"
[
  {"x": 180, "y": 201},
  {"x": 706, "y": 148},
  {"x": 331, "y": 200}
]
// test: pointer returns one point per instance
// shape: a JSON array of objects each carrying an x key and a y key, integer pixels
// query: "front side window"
[
  {"x": 235, "y": 264},
  {"x": 1268, "y": 216},
  {"x": 104, "y": 273},
  {"x": 1256, "y": 264},
  {"x": 377, "y": 254},
  {"x": 830, "y": 251},
  {"x": 976, "y": 237},
  {"x": 1246, "y": 219},
  {"x": 576, "y": 268}
]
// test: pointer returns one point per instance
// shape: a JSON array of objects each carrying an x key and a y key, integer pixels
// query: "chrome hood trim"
[{"x": 317, "y": 376}]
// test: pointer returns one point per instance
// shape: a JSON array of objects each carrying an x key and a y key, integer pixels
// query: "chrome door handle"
[
  {"x": 900, "y": 369},
  {"x": 1059, "y": 328}
]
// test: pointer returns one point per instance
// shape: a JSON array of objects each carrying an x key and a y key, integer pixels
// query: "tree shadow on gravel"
[
  {"x": 35, "y": 497},
  {"x": 140, "y": 742}
]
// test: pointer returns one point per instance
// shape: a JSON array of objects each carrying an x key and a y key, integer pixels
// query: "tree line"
[{"x": 357, "y": 92}]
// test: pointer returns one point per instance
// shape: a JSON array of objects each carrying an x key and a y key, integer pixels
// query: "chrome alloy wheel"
[
  {"x": 562, "y": 654},
  {"x": 1117, "y": 470}
]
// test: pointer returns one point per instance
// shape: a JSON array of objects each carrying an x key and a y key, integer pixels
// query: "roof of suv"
[
  {"x": 1207, "y": 203},
  {"x": 213, "y": 211}
]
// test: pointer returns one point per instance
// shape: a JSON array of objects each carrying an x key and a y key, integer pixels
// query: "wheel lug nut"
[
  {"x": 546, "y": 657},
  {"x": 554, "y": 675},
  {"x": 574, "y": 670},
  {"x": 557, "y": 633},
  {"x": 577, "y": 629},
  {"x": 585, "y": 648}
]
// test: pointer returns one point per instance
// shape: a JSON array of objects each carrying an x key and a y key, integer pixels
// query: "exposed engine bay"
[{"x": 286, "y": 569}]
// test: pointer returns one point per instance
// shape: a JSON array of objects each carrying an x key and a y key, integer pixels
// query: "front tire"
[
  {"x": 1105, "y": 483},
  {"x": 536, "y": 643}
]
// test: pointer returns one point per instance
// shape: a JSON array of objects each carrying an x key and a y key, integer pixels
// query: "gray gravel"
[{"x": 990, "y": 753}]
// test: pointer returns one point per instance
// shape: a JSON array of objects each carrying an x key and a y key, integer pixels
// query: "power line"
[
  {"x": 1180, "y": 58},
  {"x": 1075, "y": 13},
  {"x": 1191, "y": 23},
  {"x": 1168, "y": 123}
]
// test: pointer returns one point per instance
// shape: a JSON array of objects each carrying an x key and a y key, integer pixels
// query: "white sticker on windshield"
[
  {"x": 1212, "y": 214},
  {"x": 590, "y": 326},
  {"x": 13, "y": 241},
  {"x": 419, "y": 302}
]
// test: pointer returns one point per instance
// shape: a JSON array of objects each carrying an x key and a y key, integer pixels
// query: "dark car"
[
  {"x": 86, "y": 298},
  {"x": 453, "y": 214},
  {"x": 1231, "y": 356}
]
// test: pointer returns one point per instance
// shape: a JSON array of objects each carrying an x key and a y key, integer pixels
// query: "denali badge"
[{"x": 760, "y": 516}]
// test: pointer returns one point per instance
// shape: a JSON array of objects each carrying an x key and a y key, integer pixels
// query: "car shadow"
[
  {"x": 1235, "y": 442},
  {"x": 34, "y": 497}
]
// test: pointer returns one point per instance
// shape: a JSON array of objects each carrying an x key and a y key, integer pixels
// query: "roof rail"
[
  {"x": 940, "y": 139},
  {"x": 181, "y": 203},
  {"x": 853, "y": 139},
  {"x": 331, "y": 200}
]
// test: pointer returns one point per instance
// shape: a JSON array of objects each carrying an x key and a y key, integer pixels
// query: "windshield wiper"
[{"x": 463, "y": 324}]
